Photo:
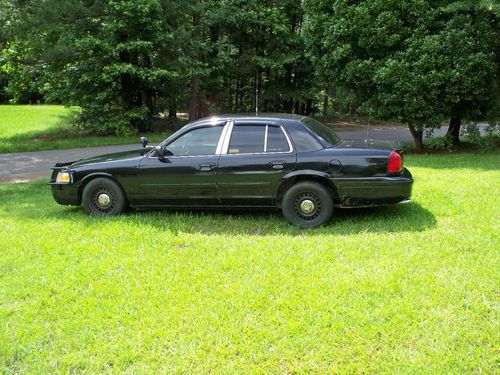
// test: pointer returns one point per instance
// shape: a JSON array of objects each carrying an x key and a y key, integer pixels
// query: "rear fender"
[{"x": 304, "y": 175}]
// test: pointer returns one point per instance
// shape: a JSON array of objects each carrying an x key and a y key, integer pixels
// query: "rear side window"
[
  {"x": 247, "y": 139},
  {"x": 276, "y": 140},
  {"x": 251, "y": 139},
  {"x": 303, "y": 140},
  {"x": 326, "y": 134}
]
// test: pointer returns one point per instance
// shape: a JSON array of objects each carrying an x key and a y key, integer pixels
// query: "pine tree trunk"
[
  {"x": 325, "y": 105},
  {"x": 172, "y": 110},
  {"x": 454, "y": 130},
  {"x": 193, "y": 101},
  {"x": 417, "y": 137},
  {"x": 276, "y": 104},
  {"x": 147, "y": 123},
  {"x": 309, "y": 107},
  {"x": 229, "y": 103},
  {"x": 237, "y": 94},
  {"x": 265, "y": 106},
  {"x": 302, "y": 108}
]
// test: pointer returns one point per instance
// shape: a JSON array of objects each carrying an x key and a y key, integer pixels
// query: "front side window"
[
  {"x": 202, "y": 141},
  {"x": 251, "y": 139}
]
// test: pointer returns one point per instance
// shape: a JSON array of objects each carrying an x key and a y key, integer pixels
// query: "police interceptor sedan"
[{"x": 290, "y": 162}]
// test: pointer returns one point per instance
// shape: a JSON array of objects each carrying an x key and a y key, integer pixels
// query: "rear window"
[{"x": 327, "y": 136}]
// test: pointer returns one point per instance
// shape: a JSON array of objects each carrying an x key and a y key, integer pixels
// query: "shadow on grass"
[
  {"x": 32, "y": 202},
  {"x": 411, "y": 217},
  {"x": 407, "y": 218}
]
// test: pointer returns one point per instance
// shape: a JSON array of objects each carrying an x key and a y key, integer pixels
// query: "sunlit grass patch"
[
  {"x": 409, "y": 288},
  {"x": 51, "y": 127}
]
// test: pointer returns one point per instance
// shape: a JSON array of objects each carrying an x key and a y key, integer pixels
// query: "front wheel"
[
  {"x": 104, "y": 197},
  {"x": 307, "y": 204}
]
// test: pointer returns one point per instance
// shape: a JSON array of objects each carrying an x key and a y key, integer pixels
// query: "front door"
[
  {"x": 253, "y": 162},
  {"x": 185, "y": 176}
]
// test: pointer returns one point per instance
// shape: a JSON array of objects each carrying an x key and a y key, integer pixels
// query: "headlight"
[{"x": 63, "y": 177}]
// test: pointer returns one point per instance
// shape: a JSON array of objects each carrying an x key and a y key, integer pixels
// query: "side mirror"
[
  {"x": 159, "y": 151},
  {"x": 144, "y": 141},
  {"x": 162, "y": 151}
]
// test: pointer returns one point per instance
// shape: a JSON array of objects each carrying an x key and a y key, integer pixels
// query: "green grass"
[
  {"x": 50, "y": 127},
  {"x": 403, "y": 289}
]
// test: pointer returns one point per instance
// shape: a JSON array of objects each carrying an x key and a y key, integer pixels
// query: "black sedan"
[{"x": 294, "y": 163}]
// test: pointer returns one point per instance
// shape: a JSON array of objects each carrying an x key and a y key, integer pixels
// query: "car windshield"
[{"x": 326, "y": 134}]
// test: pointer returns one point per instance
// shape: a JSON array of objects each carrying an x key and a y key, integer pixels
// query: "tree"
[
  {"x": 248, "y": 54},
  {"x": 19, "y": 73},
  {"x": 468, "y": 36},
  {"x": 106, "y": 56},
  {"x": 417, "y": 61},
  {"x": 125, "y": 61}
]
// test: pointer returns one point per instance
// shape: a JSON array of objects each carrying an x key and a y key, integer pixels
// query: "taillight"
[{"x": 395, "y": 163}]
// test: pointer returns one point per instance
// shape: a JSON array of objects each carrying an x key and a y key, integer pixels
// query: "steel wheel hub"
[
  {"x": 104, "y": 200},
  {"x": 307, "y": 206}
]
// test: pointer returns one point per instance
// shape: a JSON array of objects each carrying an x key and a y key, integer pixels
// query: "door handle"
[
  {"x": 207, "y": 167},
  {"x": 277, "y": 164}
]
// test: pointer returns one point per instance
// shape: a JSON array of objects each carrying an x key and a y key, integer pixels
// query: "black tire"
[
  {"x": 104, "y": 197},
  {"x": 307, "y": 204}
]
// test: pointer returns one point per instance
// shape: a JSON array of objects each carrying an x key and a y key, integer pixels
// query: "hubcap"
[
  {"x": 307, "y": 206},
  {"x": 104, "y": 200}
]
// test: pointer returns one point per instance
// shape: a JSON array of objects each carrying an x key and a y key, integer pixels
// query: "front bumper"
[
  {"x": 374, "y": 191},
  {"x": 66, "y": 194}
]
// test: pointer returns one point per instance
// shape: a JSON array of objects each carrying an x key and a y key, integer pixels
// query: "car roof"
[{"x": 249, "y": 116}]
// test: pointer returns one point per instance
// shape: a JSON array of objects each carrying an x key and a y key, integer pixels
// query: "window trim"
[{"x": 229, "y": 133}]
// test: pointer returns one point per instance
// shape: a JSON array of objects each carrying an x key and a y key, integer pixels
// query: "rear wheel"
[
  {"x": 104, "y": 197},
  {"x": 307, "y": 204}
]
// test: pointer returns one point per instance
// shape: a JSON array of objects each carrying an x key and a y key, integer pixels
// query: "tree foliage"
[
  {"x": 417, "y": 61},
  {"x": 126, "y": 61}
]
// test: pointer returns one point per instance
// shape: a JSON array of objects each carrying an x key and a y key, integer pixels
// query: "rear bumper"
[
  {"x": 374, "y": 191},
  {"x": 66, "y": 194}
]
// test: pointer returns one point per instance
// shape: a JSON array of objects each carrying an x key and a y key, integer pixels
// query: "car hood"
[
  {"x": 124, "y": 155},
  {"x": 369, "y": 144}
]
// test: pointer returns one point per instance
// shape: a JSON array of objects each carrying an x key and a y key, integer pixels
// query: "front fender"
[{"x": 90, "y": 176}]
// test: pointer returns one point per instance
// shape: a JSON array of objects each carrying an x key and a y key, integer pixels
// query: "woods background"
[{"x": 418, "y": 62}]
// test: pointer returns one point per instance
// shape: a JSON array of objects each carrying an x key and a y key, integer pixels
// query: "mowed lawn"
[
  {"x": 403, "y": 289},
  {"x": 50, "y": 127}
]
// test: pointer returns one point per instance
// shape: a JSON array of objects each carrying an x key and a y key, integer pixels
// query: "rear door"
[{"x": 255, "y": 156}]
